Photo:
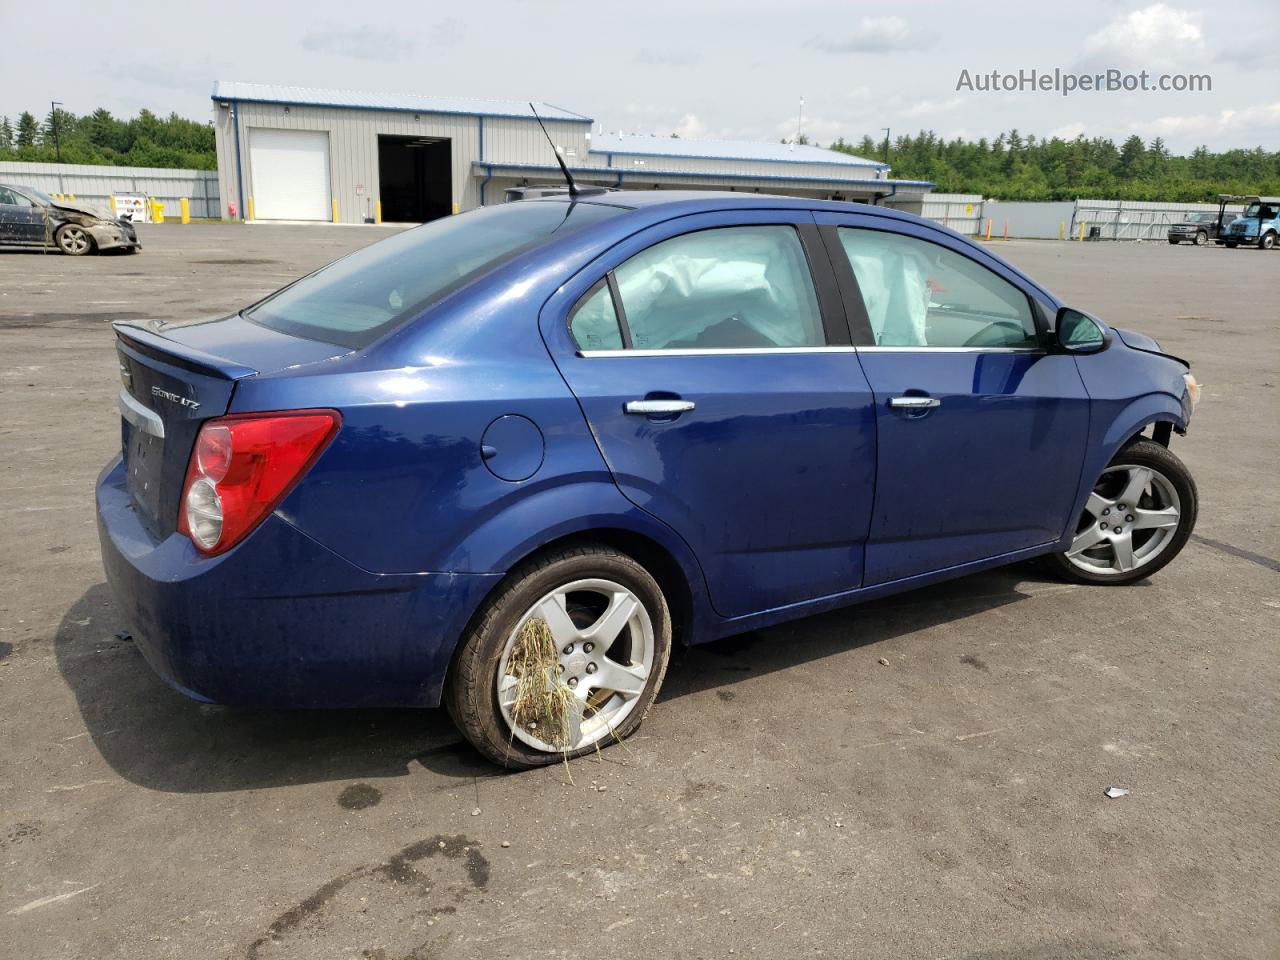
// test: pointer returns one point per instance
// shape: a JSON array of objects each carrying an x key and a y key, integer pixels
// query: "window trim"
[
  {"x": 860, "y": 321},
  {"x": 825, "y": 286}
]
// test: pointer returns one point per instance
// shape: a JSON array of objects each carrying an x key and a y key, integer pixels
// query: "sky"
[{"x": 703, "y": 70}]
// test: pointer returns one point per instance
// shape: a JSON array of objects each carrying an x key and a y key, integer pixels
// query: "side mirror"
[{"x": 1078, "y": 332}]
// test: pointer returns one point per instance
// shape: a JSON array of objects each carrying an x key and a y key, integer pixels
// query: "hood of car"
[
  {"x": 1140, "y": 341},
  {"x": 84, "y": 210}
]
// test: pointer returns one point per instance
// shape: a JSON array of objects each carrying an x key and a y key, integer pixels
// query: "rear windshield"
[{"x": 354, "y": 300}]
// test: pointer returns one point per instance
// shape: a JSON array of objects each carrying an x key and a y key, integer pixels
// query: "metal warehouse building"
[{"x": 300, "y": 153}]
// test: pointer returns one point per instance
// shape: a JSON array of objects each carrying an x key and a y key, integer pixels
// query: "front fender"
[
  {"x": 1131, "y": 419},
  {"x": 1138, "y": 415}
]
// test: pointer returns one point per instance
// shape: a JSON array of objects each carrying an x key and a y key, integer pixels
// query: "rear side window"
[
  {"x": 721, "y": 289},
  {"x": 594, "y": 322},
  {"x": 358, "y": 298},
  {"x": 921, "y": 294}
]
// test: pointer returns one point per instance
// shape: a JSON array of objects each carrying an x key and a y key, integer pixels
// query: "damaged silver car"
[{"x": 29, "y": 218}]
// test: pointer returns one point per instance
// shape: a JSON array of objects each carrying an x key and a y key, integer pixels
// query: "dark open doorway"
[{"x": 416, "y": 178}]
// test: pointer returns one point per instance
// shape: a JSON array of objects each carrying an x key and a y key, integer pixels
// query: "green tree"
[
  {"x": 28, "y": 130},
  {"x": 6, "y": 135}
]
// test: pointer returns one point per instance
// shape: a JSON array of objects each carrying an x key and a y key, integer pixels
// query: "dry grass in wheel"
[{"x": 544, "y": 705}]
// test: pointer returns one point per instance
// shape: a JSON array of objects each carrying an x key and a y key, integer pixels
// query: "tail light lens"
[{"x": 242, "y": 467}]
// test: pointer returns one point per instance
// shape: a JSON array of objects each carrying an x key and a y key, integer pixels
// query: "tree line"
[
  {"x": 1009, "y": 167},
  {"x": 146, "y": 140},
  {"x": 1017, "y": 167}
]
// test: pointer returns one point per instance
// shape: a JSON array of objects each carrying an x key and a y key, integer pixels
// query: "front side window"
[
  {"x": 921, "y": 294},
  {"x": 13, "y": 198},
  {"x": 728, "y": 288}
]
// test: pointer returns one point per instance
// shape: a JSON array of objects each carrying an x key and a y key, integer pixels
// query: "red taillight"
[{"x": 242, "y": 467}]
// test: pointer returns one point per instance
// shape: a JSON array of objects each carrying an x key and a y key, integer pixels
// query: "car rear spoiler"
[{"x": 160, "y": 347}]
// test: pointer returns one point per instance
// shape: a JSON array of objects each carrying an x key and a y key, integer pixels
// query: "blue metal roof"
[
  {"x": 634, "y": 144},
  {"x": 406, "y": 102}
]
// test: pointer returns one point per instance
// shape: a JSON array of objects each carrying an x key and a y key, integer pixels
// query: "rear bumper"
[{"x": 280, "y": 620}]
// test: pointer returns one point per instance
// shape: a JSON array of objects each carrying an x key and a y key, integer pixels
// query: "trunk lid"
[{"x": 175, "y": 377}]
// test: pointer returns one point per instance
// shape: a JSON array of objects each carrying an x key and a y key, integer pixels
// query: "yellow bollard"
[
  {"x": 73, "y": 198},
  {"x": 1082, "y": 229},
  {"x": 157, "y": 211},
  {"x": 1062, "y": 229},
  {"x": 988, "y": 229},
  {"x": 335, "y": 209},
  {"x": 184, "y": 205},
  {"x": 455, "y": 209},
  {"x": 112, "y": 200},
  {"x": 377, "y": 212},
  {"x": 249, "y": 209}
]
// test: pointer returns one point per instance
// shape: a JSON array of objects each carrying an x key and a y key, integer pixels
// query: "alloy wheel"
[
  {"x": 605, "y": 650},
  {"x": 73, "y": 240},
  {"x": 1130, "y": 518}
]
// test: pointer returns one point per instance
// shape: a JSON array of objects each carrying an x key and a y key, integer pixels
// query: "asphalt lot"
[{"x": 788, "y": 797}]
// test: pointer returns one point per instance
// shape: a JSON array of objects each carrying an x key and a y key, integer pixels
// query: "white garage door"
[{"x": 290, "y": 174}]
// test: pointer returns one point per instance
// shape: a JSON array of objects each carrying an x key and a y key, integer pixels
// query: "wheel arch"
[{"x": 1158, "y": 408}]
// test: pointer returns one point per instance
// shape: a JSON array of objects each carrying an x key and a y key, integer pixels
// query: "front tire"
[
  {"x": 612, "y": 640},
  {"x": 1137, "y": 519},
  {"x": 1230, "y": 244},
  {"x": 1201, "y": 238},
  {"x": 1268, "y": 241},
  {"x": 73, "y": 240}
]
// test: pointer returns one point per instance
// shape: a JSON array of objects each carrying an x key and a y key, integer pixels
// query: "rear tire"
[
  {"x": 1201, "y": 238},
  {"x": 597, "y": 589},
  {"x": 1173, "y": 242},
  {"x": 1138, "y": 517},
  {"x": 1230, "y": 244}
]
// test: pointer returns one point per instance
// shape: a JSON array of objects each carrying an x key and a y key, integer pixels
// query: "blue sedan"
[{"x": 505, "y": 460}]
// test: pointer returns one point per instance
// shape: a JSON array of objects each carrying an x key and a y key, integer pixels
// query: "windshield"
[
  {"x": 354, "y": 300},
  {"x": 36, "y": 195},
  {"x": 1266, "y": 210}
]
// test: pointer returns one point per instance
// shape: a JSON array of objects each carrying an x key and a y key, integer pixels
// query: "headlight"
[{"x": 1193, "y": 389}]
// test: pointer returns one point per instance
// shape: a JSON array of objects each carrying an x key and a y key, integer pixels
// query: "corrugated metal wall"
[
  {"x": 962, "y": 212},
  {"x": 93, "y": 184},
  {"x": 761, "y": 168},
  {"x": 1136, "y": 219},
  {"x": 353, "y": 147},
  {"x": 1032, "y": 221}
]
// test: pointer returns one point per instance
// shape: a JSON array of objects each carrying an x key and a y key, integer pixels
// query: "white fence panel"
[{"x": 93, "y": 184}]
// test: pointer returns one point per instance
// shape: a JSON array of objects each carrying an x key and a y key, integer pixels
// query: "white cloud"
[
  {"x": 1157, "y": 35},
  {"x": 1258, "y": 123},
  {"x": 926, "y": 107},
  {"x": 665, "y": 58},
  {"x": 872, "y": 35},
  {"x": 1068, "y": 131},
  {"x": 359, "y": 43},
  {"x": 690, "y": 127}
]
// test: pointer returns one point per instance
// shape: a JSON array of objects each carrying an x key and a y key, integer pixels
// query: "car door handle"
[
  {"x": 649, "y": 408},
  {"x": 914, "y": 403}
]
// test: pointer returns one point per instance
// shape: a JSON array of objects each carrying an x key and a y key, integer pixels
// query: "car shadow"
[{"x": 159, "y": 739}]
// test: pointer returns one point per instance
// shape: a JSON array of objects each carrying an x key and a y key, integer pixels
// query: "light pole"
[{"x": 53, "y": 119}]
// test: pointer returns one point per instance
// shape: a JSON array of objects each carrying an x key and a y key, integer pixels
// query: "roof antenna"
[{"x": 573, "y": 187}]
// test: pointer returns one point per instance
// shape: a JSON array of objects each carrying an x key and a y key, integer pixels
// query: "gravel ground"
[{"x": 789, "y": 795}]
